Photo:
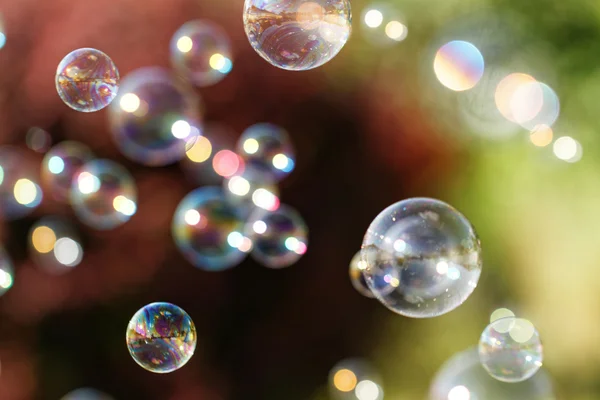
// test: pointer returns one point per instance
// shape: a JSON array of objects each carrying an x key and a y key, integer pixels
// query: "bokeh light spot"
[
  {"x": 459, "y": 393},
  {"x": 458, "y": 65},
  {"x": 226, "y": 163},
  {"x": 25, "y": 192},
  {"x": 373, "y": 18},
  {"x": 185, "y": 44},
  {"x": 567, "y": 149},
  {"x": 200, "y": 150},
  {"x": 396, "y": 30},
  {"x": 43, "y": 239},
  {"x": 541, "y": 135},
  {"x": 367, "y": 390},
  {"x": 130, "y": 102},
  {"x": 68, "y": 252},
  {"x": 344, "y": 380}
]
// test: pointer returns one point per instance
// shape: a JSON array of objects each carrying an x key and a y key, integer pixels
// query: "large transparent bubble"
[
  {"x": 208, "y": 230},
  {"x": 427, "y": 252},
  {"x": 297, "y": 35},
  {"x": 155, "y": 118},
  {"x": 463, "y": 378}
]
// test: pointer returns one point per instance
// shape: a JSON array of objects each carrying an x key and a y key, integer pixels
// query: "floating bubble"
[
  {"x": 155, "y": 118},
  {"x": 38, "y": 140},
  {"x": 6, "y": 272},
  {"x": 54, "y": 245},
  {"x": 510, "y": 349},
  {"x": 268, "y": 149},
  {"x": 251, "y": 189},
  {"x": 208, "y": 230},
  {"x": 567, "y": 149},
  {"x": 201, "y": 52},
  {"x": 433, "y": 251},
  {"x": 463, "y": 378},
  {"x": 297, "y": 35},
  {"x": 87, "y": 80},
  {"x": 458, "y": 65},
  {"x": 20, "y": 192},
  {"x": 86, "y": 394},
  {"x": 382, "y": 25},
  {"x": 161, "y": 337},
  {"x": 280, "y": 237},
  {"x": 354, "y": 379},
  {"x": 60, "y": 164},
  {"x": 103, "y": 194}
]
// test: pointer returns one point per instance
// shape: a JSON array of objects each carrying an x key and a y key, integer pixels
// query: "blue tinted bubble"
[
  {"x": 60, "y": 163},
  {"x": 155, "y": 118},
  {"x": 103, "y": 194},
  {"x": 86, "y": 394},
  {"x": 427, "y": 251},
  {"x": 54, "y": 245},
  {"x": 20, "y": 192},
  {"x": 268, "y": 149},
  {"x": 297, "y": 36},
  {"x": 6, "y": 272},
  {"x": 161, "y": 337},
  {"x": 280, "y": 237},
  {"x": 87, "y": 80},
  {"x": 208, "y": 230},
  {"x": 201, "y": 53}
]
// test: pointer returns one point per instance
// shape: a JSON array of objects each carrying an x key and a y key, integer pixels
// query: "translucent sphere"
[
  {"x": 428, "y": 252},
  {"x": 60, "y": 164},
  {"x": 86, "y": 394},
  {"x": 20, "y": 192},
  {"x": 208, "y": 230},
  {"x": 355, "y": 379},
  {"x": 201, "y": 53},
  {"x": 103, "y": 194},
  {"x": 161, "y": 337},
  {"x": 268, "y": 149},
  {"x": 463, "y": 378},
  {"x": 87, "y": 80},
  {"x": 280, "y": 237},
  {"x": 6, "y": 272},
  {"x": 458, "y": 65},
  {"x": 251, "y": 189},
  {"x": 54, "y": 245},
  {"x": 510, "y": 349},
  {"x": 155, "y": 118},
  {"x": 297, "y": 35}
]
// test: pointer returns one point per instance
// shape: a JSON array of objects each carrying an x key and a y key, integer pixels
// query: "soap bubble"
[
  {"x": 87, "y": 80},
  {"x": 38, "y": 140},
  {"x": 382, "y": 25},
  {"x": 354, "y": 379},
  {"x": 297, "y": 35},
  {"x": 161, "y": 337},
  {"x": 463, "y": 378},
  {"x": 208, "y": 230},
  {"x": 60, "y": 164},
  {"x": 510, "y": 349},
  {"x": 268, "y": 149},
  {"x": 86, "y": 394},
  {"x": 280, "y": 237},
  {"x": 54, "y": 245},
  {"x": 20, "y": 192},
  {"x": 251, "y": 189},
  {"x": 458, "y": 65},
  {"x": 201, "y": 53},
  {"x": 103, "y": 194},
  {"x": 6, "y": 272},
  {"x": 434, "y": 254},
  {"x": 155, "y": 118},
  {"x": 357, "y": 266}
]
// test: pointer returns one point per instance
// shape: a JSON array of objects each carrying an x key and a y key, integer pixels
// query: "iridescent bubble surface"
[
  {"x": 20, "y": 192},
  {"x": 510, "y": 349},
  {"x": 208, "y": 230},
  {"x": 6, "y": 272},
  {"x": 268, "y": 149},
  {"x": 103, "y": 194},
  {"x": 280, "y": 237},
  {"x": 86, "y": 394},
  {"x": 155, "y": 118},
  {"x": 201, "y": 53},
  {"x": 433, "y": 251},
  {"x": 55, "y": 245},
  {"x": 458, "y": 65},
  {"x": 60, "y": 164},
  {"x": 297, "y": 35},
  {"x": 355, "y": 379},
  {"x": 87, "y": 80},
  {"x": 382, "y": 25},
  {"x": 463, "y": 378},
  {"x": 161, "y": 337},
  {"x": 251, "y": 189}
]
